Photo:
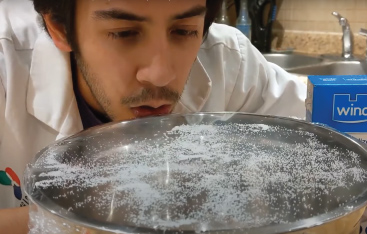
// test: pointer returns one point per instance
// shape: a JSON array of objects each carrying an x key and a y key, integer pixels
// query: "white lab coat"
[{"x": 37, "y": 103}]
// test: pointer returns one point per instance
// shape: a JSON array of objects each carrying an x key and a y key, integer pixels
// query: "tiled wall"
[
  {"x": 308, "y": 25},
  {"x": 315, "y": 15}
]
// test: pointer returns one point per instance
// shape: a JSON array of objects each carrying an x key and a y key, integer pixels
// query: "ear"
[{"x": 57, "y": 33}]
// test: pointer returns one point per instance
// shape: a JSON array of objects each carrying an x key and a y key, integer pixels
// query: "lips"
[{"x": 145, "y": 111}]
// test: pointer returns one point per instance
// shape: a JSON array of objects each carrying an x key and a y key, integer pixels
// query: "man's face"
[{"x": 135, "y": 55}]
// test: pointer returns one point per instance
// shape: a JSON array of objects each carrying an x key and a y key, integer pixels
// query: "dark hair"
[{"x": 63, "y": 12}]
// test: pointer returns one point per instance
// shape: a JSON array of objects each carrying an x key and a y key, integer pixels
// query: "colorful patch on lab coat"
[{"x": 10, "y": 178}]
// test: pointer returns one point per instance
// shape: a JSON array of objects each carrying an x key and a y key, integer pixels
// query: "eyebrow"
[
  {"x": 118, "y": 14},
  {"x": 193, "y": 12}
]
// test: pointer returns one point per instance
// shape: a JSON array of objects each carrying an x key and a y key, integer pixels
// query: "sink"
[
  {"x": 302, "y": 65},
  {"x": 293, "y": 60},
  {"x": 333, "y": 68}
]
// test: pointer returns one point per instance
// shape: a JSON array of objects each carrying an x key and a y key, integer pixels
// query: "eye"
[
  {"x": 185, "y": 33},
  {"x": 123, "y": 34}
]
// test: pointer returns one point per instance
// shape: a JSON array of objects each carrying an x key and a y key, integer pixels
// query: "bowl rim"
[{"x": 358, "y": 203}]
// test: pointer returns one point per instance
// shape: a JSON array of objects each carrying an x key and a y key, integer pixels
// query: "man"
[{"x": 113, "y": 60}]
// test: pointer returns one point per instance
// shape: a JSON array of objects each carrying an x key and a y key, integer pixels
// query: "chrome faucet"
[
  {"x": 347, "y": 36},
  {"x": 363, "y": 32}
]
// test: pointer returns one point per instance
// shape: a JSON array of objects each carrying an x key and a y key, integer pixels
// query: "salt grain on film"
[{"x": 203, "y": 175}]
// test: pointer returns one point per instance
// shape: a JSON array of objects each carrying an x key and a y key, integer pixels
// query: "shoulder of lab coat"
[
  {"x": 45, "y": 72},
  {"x": 21, "y": 134},
  {"x": 20, "y": 24},
  {"x": 18, "y": 32},
  {"x": 242, "y": 80},
  {"x": 2, "y": 101}
]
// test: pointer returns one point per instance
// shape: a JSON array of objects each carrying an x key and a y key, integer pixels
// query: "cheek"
[
  {"x": 117, "y": 79},
  {"x": 113, "y": 71},
  {"x": 184, "y": 59}
]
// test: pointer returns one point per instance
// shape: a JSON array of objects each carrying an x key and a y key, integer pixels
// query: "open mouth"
[{"x": 144, "y": 111}]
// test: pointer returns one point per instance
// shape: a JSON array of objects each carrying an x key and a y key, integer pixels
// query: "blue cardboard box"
[{"x": 339, "y": 102}]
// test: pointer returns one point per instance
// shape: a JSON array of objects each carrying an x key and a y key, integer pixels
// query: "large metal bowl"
[{"x": 205, "y": 172}]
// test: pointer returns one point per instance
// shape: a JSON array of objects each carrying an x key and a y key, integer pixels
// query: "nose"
[{"x": 159, "y": 69}]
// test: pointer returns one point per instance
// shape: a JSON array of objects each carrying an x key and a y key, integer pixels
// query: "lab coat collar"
[
  {"x": 50, "y": 96},
  {"x": 197, "y": 90}
]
